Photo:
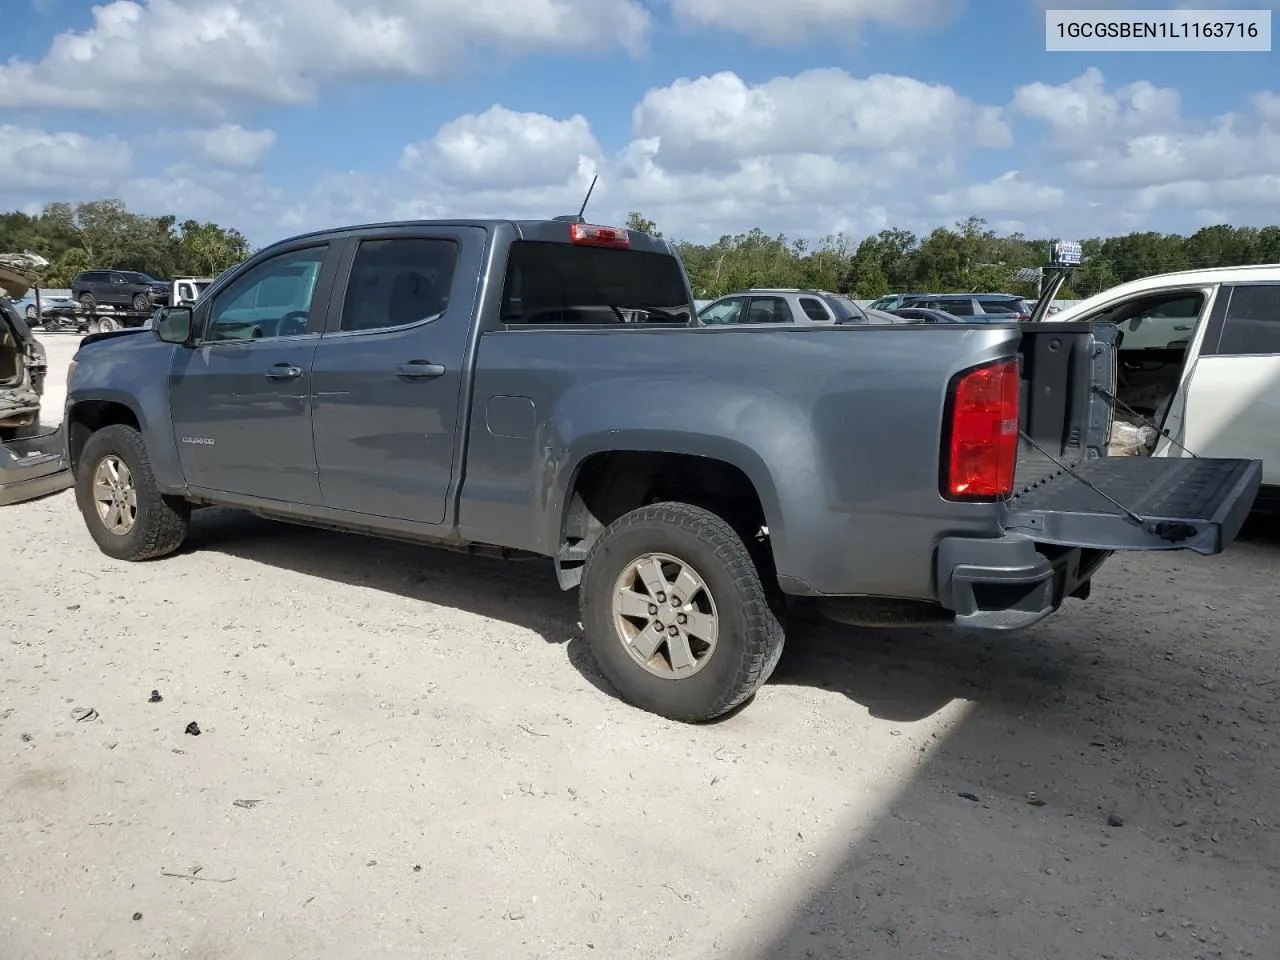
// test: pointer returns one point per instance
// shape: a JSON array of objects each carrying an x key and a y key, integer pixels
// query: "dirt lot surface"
[{"x": 407, "y": 753}]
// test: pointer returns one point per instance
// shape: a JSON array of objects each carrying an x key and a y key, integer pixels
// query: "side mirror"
[{"x": 175, "y": 324}]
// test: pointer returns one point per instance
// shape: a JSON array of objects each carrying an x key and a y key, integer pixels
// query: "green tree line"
[
  {"x": 105, "y": 234},
  {"x": 968, "y": 257}
]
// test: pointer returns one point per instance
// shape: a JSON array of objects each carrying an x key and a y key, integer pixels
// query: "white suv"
[
  {"x": 1199, "y": 356},
  {"x": 799, "y": 307}
]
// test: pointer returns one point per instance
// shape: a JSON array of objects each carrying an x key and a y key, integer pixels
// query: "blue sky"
[{"x": 808, "y": 116}]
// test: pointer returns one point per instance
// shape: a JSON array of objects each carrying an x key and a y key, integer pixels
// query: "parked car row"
[
  {"x": 789, "y": 305},
  {"x": 803, "y": 307}
]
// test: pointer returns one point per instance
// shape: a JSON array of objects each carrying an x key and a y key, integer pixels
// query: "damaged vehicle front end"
[{"x": 31, "y": 460}]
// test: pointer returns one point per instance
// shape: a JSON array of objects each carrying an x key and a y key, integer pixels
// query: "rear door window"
[
  {"x": 554, "y": 284},
  {"x": 769, "y": 310},
  {"x": 398, "y": 282},
  {"x": 1252, "y": 324},
  {"x": 957, "y": 308}
]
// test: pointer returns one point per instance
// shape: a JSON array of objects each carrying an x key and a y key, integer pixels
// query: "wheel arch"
[
  {"x": 84, "y": 418},
  {"x": 609, "y": 479}
]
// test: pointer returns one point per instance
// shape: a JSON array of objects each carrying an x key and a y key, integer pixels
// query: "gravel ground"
[{"x": 407, "y": 753}]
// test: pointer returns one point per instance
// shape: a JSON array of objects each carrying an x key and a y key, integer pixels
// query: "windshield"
[
  {"x": 846, "y": 309},
  {"x": 562, "y": 283}
]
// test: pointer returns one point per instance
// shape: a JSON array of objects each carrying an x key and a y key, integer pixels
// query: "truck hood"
[{"x": 110, "y": 335}]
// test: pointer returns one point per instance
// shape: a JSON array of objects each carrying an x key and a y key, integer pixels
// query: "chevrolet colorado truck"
[{"x": 542, "y": 389}]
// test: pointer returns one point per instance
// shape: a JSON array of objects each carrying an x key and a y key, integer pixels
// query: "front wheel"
[
  {"x": 141, "y": 303},
  {"x": 675, "y": 613},
  {"x": 116, "y": 491}
]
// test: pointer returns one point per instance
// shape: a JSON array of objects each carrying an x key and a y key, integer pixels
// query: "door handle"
[
  {"x": 420, "y": 370},
  {"x": 283, "y": 371}
]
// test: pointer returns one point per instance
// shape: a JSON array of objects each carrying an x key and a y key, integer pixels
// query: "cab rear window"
[{"x": 554, "y": 284}]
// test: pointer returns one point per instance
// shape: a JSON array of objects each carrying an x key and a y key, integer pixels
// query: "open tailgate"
[{"x": 1140, "y": 503}]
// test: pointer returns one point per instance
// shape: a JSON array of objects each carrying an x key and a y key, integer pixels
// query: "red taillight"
[
  {"x": 982, "y": 443},
  {"x": 595, "y": 236}
]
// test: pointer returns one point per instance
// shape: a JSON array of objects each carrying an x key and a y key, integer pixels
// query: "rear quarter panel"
[{"x": 838, "y": 428}]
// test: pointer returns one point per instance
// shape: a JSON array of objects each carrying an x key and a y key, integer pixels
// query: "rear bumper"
[
  {"x": 31, "y": 468},
  {"x": 1008, "y": 583}
]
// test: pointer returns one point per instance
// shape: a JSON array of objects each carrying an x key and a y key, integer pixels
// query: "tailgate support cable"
[
  {"x": 1140, "y": 521},
  {"x": 1117, "y": 402}
]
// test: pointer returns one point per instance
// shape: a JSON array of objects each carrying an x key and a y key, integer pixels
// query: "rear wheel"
[
  {"x": 87, "y": 301},
  {"x": 107, "y": 324},
  {"x": 675, "y": 613},
  {"x": 31, "y": 312},
  {"x": 116, "y": 491}
]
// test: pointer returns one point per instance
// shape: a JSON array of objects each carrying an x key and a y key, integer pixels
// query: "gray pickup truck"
[{"x": 542, "y": 389}]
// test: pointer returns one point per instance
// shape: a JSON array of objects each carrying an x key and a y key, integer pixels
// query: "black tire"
[
  {"x": 141, "y": 303},
  {"x": 106, "y": 325},
  {"x": 750, "y": 636},
  {"x": 31, "y": 312},
  {"x": 161, "y": 523},
  {"x": 87, "y": 301}
]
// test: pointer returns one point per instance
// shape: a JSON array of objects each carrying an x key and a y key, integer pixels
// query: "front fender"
[{"x": 134, "y": 375}]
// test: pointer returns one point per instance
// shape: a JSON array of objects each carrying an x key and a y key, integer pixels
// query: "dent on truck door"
[
  {"x": 1233, "y": 393},
  {"x": 240, "y": 398},
  {"x": 389, "y": 374}
]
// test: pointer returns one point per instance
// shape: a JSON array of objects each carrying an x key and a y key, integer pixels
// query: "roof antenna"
[
  {"x": 583, "y": 208},
  {"x": 577, "y": 218}
]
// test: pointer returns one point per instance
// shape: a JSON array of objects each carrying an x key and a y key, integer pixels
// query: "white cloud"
[
  {"x": 231, "y": 145},
  {"x": 205, "y": 54},
  {"x": 1221, "y": 153},
  {"x": 33, "y": 160},
  {"x": 1132, "y": 149},
  {"x": 717, "y": 120},
  {"x": 1006, "y": 194},
  {"x": 501, "y": 149},
  {"x": 1082, "y": 112},
  {"x": 1268, "y": 105},
  {"x": 1220, "y": 200},
  {"x": 1135, "y": 136},
  {"x": 772, "y": 21},
  {"x": 808, "y": 155}
]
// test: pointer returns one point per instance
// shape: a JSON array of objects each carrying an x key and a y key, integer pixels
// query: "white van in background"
[{"x": 1199, "y": 357}]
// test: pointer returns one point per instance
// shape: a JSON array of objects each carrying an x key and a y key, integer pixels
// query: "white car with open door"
[{"x": 1199, "y": 365}]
